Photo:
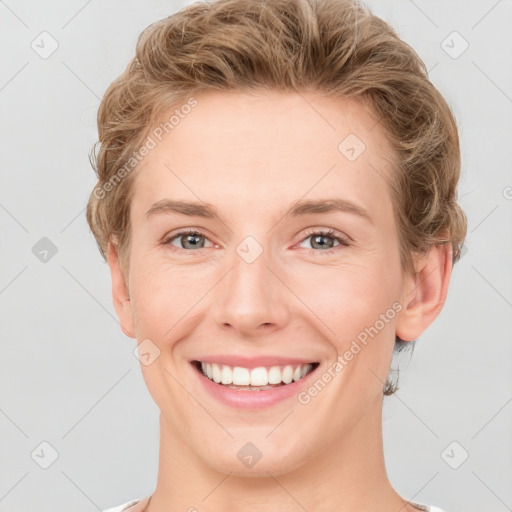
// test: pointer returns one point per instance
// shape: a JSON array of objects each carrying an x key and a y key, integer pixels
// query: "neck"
[{"x": 348, "y": 475}]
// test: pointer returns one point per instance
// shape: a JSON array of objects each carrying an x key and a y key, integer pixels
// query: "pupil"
[
  {"x": 321, "y": 237},
  {"x": 192, "y": 239}
]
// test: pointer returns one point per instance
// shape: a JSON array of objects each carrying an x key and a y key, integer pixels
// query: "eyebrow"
[{"x": 301, "y": 207}]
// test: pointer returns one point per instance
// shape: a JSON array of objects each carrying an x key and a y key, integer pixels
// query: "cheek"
[
  {"x": 164, "y": 296},
  {"x": 348, "y": 299},
  {"x": 355, "y": 307}
]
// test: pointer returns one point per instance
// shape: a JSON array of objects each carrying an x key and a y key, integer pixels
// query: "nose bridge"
[{"x": 251, "y": 294}]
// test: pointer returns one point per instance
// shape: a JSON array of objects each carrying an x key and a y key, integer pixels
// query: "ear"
[
  {"x": 424, "y": 295},
  {"x": 120, "y": 294}
]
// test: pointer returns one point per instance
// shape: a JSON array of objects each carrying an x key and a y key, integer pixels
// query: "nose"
[{"x": 251, "y": 299}]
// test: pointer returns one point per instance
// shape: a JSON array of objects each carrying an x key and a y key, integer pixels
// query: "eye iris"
[
  {"x": 322, "y": 244},
  {"x": 192, "y": 239}
]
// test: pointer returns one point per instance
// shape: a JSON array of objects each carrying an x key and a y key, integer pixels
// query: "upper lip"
[{"x": 253, "y": 362}]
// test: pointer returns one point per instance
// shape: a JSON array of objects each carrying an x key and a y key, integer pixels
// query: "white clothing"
[{"x": 127, "y": 505}]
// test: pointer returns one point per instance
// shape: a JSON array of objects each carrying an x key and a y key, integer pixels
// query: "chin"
[{"x": 266, "y": 459}]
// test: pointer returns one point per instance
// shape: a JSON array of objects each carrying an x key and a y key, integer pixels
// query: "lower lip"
[{"x": 244, "y": 399}]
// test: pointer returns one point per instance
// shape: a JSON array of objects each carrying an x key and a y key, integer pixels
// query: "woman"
[{"x": 276, "y": 201}]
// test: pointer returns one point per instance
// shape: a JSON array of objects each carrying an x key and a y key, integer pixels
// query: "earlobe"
[
  {"x": 120, "y": 293},
  {"x": 424, "y": 295}
]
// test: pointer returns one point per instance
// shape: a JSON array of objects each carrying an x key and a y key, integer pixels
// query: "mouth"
[{"x": 254, "y": 379}]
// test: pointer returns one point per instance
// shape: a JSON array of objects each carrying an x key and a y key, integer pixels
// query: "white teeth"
[
  {"x": 261, "y": 376},
  {"x": 287, "y": 374},
  {"x": 217, "y": 377},
  {"x": 241, "y": 376},
  {"x": 274, "y": 375},
  {"x": 226, "y": 375}
]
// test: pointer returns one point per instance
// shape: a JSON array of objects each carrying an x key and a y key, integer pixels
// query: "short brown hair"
[{"x": 336, "y": 47}]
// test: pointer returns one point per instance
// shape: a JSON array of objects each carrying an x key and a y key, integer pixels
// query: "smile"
[{"x": 254, "y": 379}]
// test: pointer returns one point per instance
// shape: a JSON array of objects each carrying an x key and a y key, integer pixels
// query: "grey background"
[{"x": 68, "y": 374}]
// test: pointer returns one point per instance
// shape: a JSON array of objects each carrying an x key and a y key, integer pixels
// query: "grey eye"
[
  {"x": 187, "y": 240},
  {"x": 322, "y": 241}
]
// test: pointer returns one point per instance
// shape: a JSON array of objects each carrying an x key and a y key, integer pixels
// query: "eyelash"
[{"x": 343, "y": 241}]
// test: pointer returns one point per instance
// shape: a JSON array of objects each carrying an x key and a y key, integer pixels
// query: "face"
[{"x": 293, "y": 260}]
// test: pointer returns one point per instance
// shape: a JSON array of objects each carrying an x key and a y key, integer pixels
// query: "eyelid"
[{"x": 326, "y": 232}]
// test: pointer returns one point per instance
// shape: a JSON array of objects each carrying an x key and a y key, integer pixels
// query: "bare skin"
[{"x": 251, "y": 157}]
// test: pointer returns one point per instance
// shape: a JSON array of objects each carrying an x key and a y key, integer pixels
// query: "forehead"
[{"x": 274, "y": 147}]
